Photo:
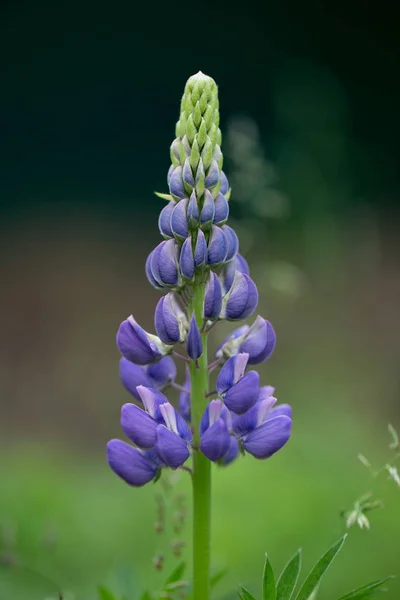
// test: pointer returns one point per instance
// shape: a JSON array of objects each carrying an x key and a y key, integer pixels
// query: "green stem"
[{"x": 201, "y": 477}]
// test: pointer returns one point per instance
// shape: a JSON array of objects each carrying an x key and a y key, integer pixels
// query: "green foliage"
[
  {"x": 288, "y": 578},
  {"x": 176, "y": 574},
  {"x": 105, "y": 594},
  {"x": 245, "y": 594},
  {"x": 268, "y": 582},
  {"x": 366, "y": 591}
]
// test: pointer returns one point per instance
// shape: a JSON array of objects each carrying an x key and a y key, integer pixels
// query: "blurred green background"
[{"x": 90, "y": 95}]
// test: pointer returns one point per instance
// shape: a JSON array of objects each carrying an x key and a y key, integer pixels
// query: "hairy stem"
[{"x": 201, "y": 477}]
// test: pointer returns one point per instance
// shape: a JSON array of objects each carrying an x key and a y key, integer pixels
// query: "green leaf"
[
  {"x": 176, "y": 574},
  {"x": 245, "y": 594},
  {"x": 216, "y": 578},
  {"x": 105, "y": 594},
  {"x": 365, "y": 590},
  {"x": 319, "y": 570},
  {"x": 268, "y": 583},
  {"x": 288, "y": 578},
  {"x": 146, "y": 596}
]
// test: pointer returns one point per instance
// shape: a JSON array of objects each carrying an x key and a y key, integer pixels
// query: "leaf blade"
[
  {"x": 105, "y": 594},
  {"x": 268, "y": 582},
  {"x": 364, "y": 590},
  {"x": 176, "y": 574},
  {"x": 245, "y": 594},
  {"x": 289, "y": 577},
  {"x": 319, "y": 569}
]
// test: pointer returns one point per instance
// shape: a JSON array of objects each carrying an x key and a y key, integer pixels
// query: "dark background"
[{"x": 90, "y": 93}]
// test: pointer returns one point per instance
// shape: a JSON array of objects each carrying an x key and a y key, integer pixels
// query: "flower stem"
[{"x": 201, "y": 477}]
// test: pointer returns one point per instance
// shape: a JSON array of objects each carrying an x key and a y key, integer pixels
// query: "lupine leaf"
[
  {"x": 268, "y": 583},
  {"x": 176, "y": 574},
  {"x": 366, "y": 590},
  {"x": 319, "y": 570},
  {"x": 245, "y": 594},
  {"x": 216, "y": 578},
  {"x": 288, "y": 578},
  {"x": 105, "y": 594}
]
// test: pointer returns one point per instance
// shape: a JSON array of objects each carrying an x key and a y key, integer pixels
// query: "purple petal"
[
  {"x": 133, "y": 375},
  {"x": 213, "y": 297},
  {"x": 200, "y": 251},
  {"x": 242, "y": 396},
  {"x": 186, "y": 259},
  {"x": 176, "y": 186},
  {"x": 161, "y": 372},
  {"x": 230, "y": 345},
  {"x": 134, "y": 344},
  {"x": 194, "y": 345},
  {"x": 164, "y": 263},
  {"x": 217, "y": 246},
  {"x": 264, "y": 441},
  {"x": 187, "y": 174},
  {"x": 242, "y": 299},
  {"x": 281, "y": 409},
  {"x": 152, "y": 400},
  {"x": 166, "y": 320},
  {"x": 213, "y": 175},
  {"x": 172, "y": 450},
  {"x": 130, "y": 464},
  {"x": 232, "y": 371},
  {"x": 224, "y": 183},
  {"x": 232, "y": 242},
  {"x": 221, "y": 209},
  {"x": 232, "y": 453},
  {"x": 149, "y": 273},
  {"x": 164, "y": 220},
  {"x": 193, "y": 211},
  {"x": 208, "y": 210},
  {"x": 138, "y": 426},
  {"x": 259, "y": 342},
  {"x": 237, "y": 264},
  {"x": 179, "y": 222},
  {"x": 215, "y": 441}
]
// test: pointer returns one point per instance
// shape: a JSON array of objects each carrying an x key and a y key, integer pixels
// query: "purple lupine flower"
[
  {"x": 170, "y": 320},
  {"x": 164, "y": 220},
  {"x": 184, "y": 399},
  {"x": 238, "y": 390},
  {"x": 258, "y": 341},
  {"x": 241, "y": 300},
  {"x": 157, "y": 375},
  {"x": 213, "y": 298},
  {"x": 193, "y": 211},
  {"x": 208, "y": 211},
  {"x": 232, "y": 453},
  {"x": 228, "y": 274},
  {"x": 264, "y": 430},
  {"x": 187, "y": 175},
  {"x": 134, "y": 466},
  {"x": 149, "y": 273},
  {"x": 138, "y": 346},
  {"x": 179, "y": 222},
  {"x": 186, "y": 259},
  {"x": 200, "y": 250},
  {"x": 176, "y": 187},
  {"x": 217, "y": 246},
  {"x": 232, "y": 242},
  {"x": 194, "y": 345},
  {"x": 224, "y": 183},
  {"x": 214, "y": 431},
  {"x": 221, "y": 209},
  {"x": 172, "y": 438},
  {"x": 164, "y": 264},
  {"x": 212, "y": 176}
]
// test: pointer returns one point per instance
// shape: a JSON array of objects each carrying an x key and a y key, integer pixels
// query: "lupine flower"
[
  {"x": 164, "y": 220},
  {"x": 200, "y": 251},
  {"x": 170, "y": 320},
  {"x": 137, "y": 345},
  {"x": 239, "y": 391},
  {"x": 179, "y": 222},
  {"x": 263, "y": 430},
  {"x": 214, "y": 431},
  {"x": 213, "y": 298},
  {"x": 134, "y": 466},
  {"x": 228, "y": 274},
  {"x": 163, "y": 265},
  {"x": 208, "y": 211},
  {"x": 217, "y": 246},
  {"x": 186, "y": 259},
  {"x": 258, "y": 341},
  {"x": 221, "y": 209},
  {"x": 232, "y": 242},
  {"x": 157, "y": 375},
  {"x": 194, "y": 344},
  {"x": 241, "y": 300}
]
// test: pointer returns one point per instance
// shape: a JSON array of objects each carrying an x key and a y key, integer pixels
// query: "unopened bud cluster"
[{"x": 199, "y": 249}]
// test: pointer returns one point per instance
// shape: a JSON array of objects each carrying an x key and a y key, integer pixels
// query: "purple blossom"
[
  {"x": 258, "y": 341},
  {"x": 179, "y": 222},
  {"x": 200, "y": 250},
  {"x": 164, "y": 220},
  {"x": 163, "y": 265},
  {"x": 228, "y": 274},
  {"x": 176, "y": 187},
  {"x": 217, "y": 246},
  {"x": 221, "y": 209},
  {"x": 241, "y": 300},
  {"x": 208, "y": 210},
  {"x": 224, "y": 183},
  {"x": 170, "y": 321},
  {"x": 239, "y": 391},
  {"x": 232, "y": 242},
  {"x": 193, "y": 211},
  {"x": 213, "y": 175},
  {"x": 214, "y": 431},
  {"x": 213, "y": 297},
  {"x": 138, "y": 346},
  {"x": 131, "y": 464},
  {"x": 194, "y": 345},
  {"x": 157, "y": 375},
  {"x": 186, "y": 259}
]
